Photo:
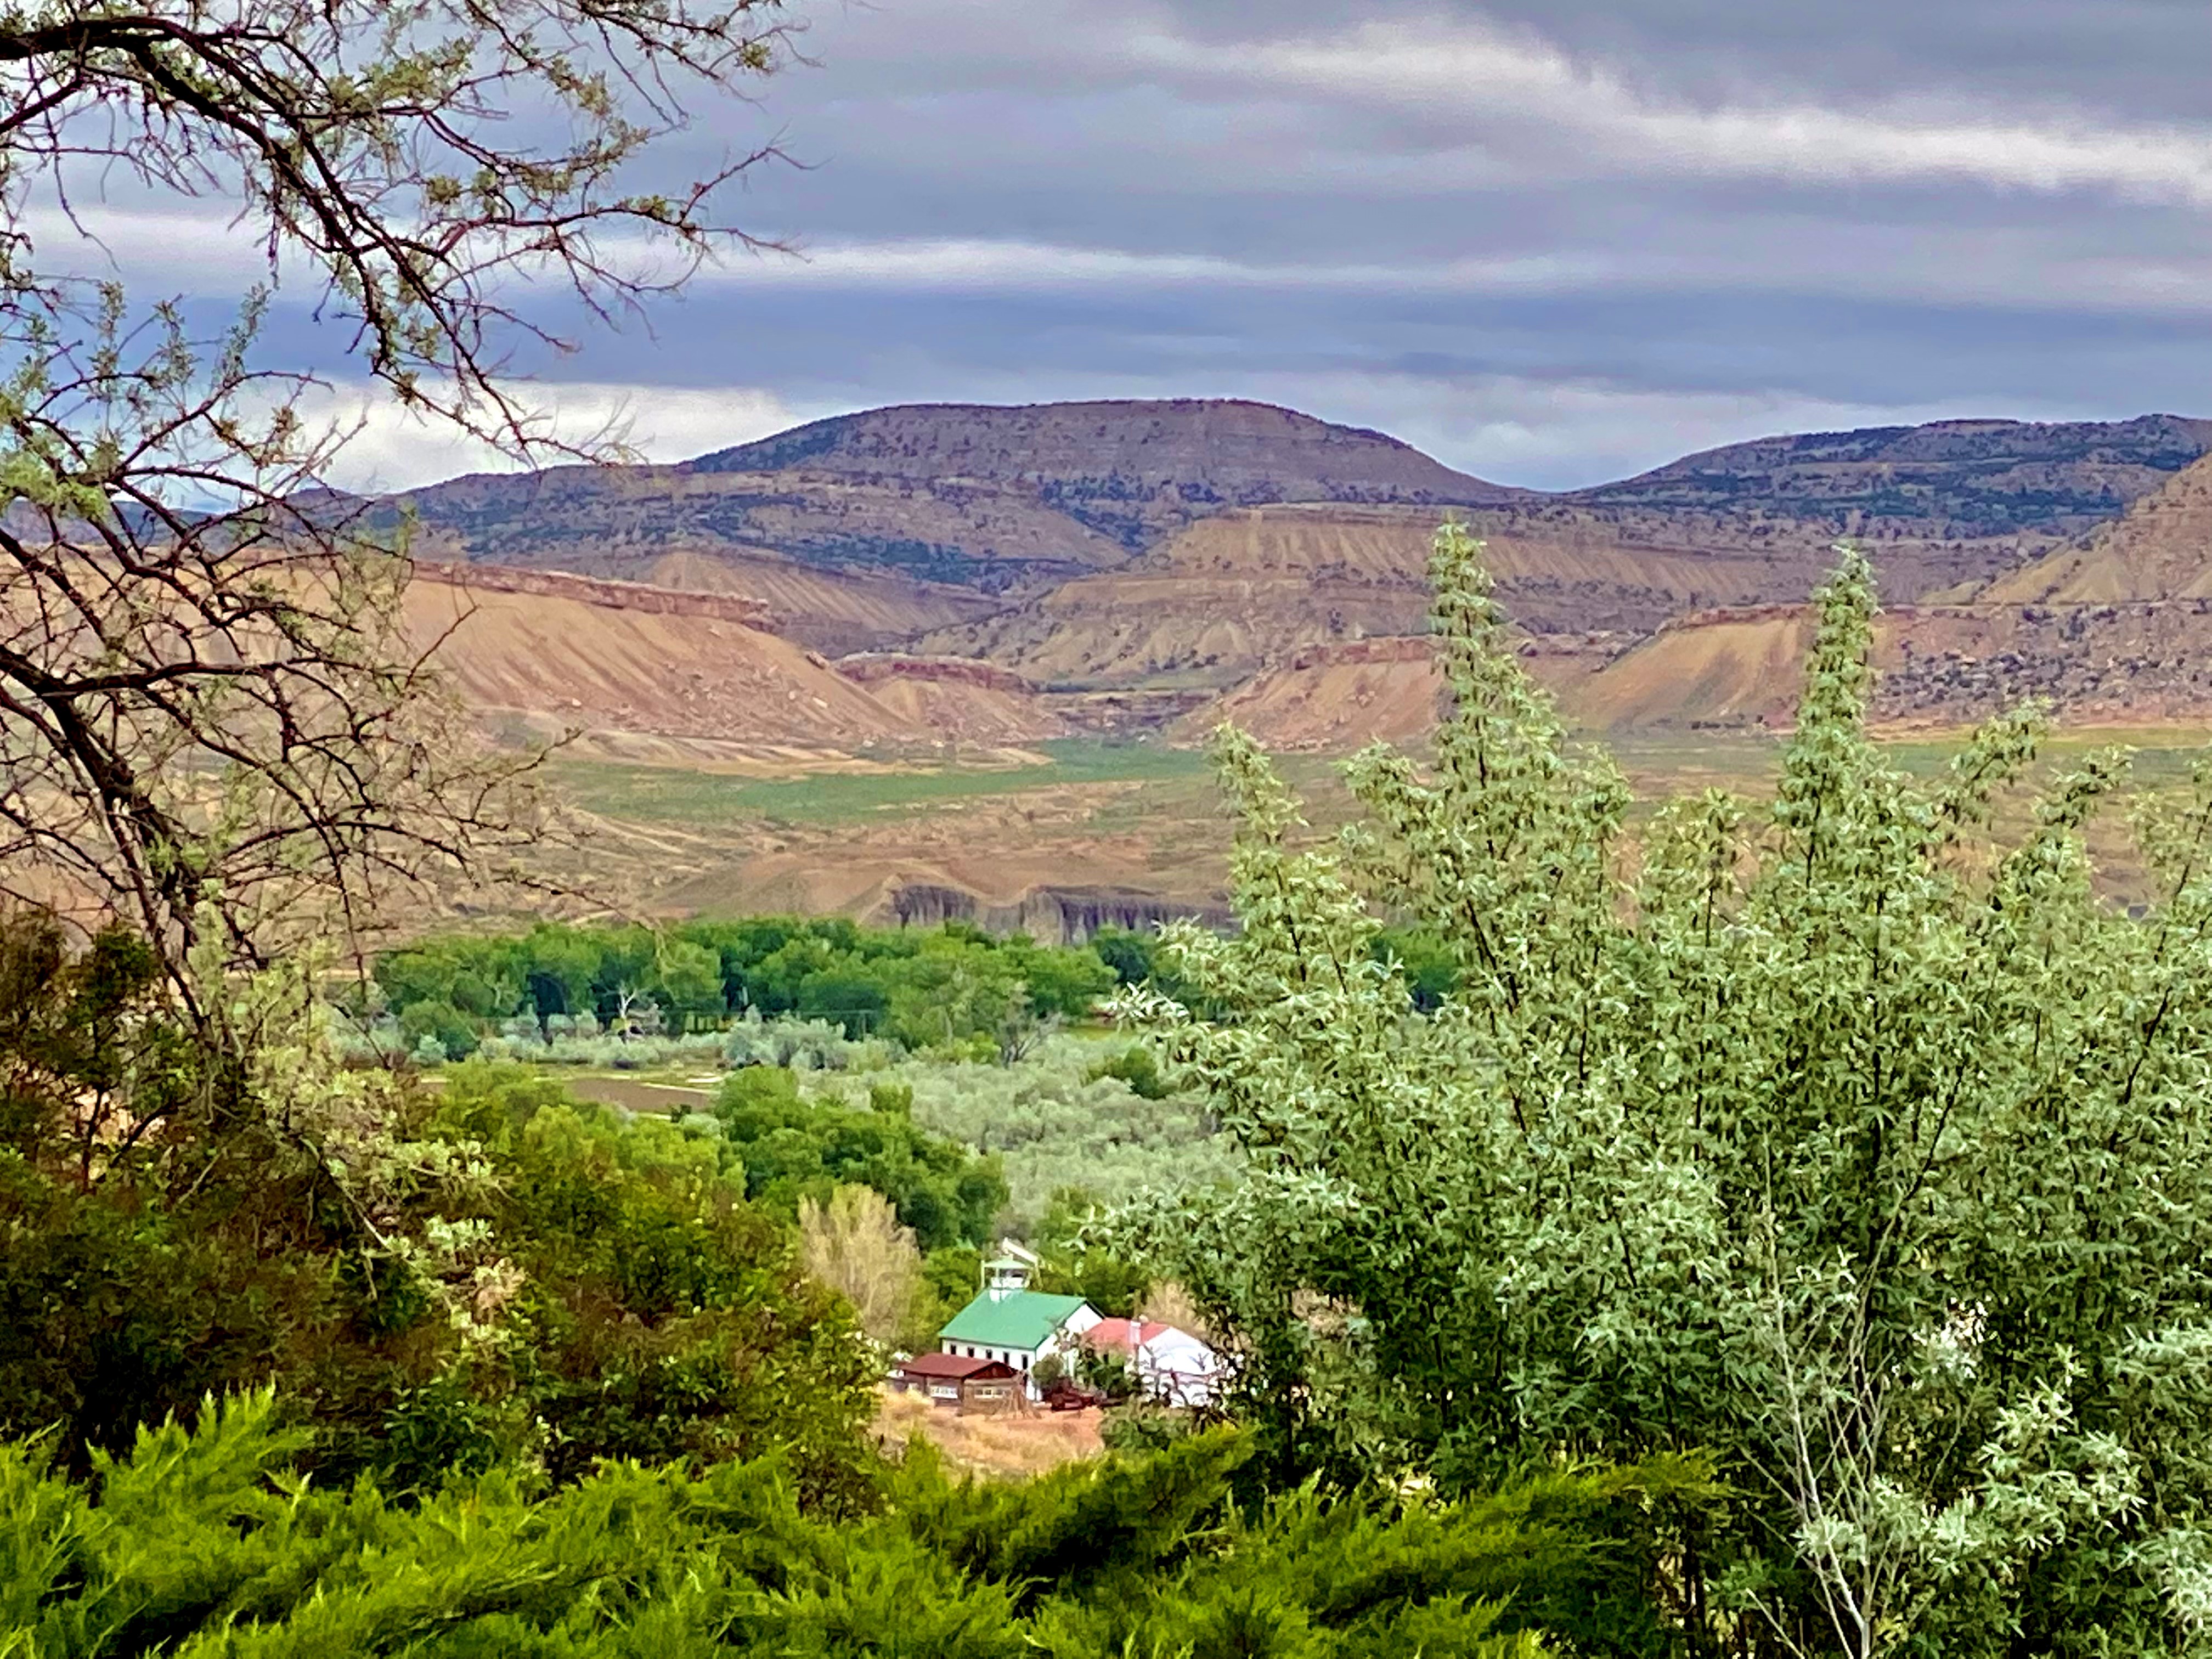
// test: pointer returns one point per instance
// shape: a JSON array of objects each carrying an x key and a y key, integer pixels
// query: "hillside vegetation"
[{"x": 1787, "y": 1238}]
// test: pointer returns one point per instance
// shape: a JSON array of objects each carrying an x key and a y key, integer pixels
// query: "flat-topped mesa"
[
  {"x": 870, "y": 667},
  {"x": 596, "y": 590}
]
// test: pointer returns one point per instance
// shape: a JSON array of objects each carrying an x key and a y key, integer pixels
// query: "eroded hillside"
[
  {"x": 646, "y": 672},
  {"x": 2069, "y": 562}
]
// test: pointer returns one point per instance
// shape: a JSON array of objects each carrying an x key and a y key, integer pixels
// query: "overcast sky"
[{"x": 1550, "y": 241}]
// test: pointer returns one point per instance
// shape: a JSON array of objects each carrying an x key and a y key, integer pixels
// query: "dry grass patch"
[{"x": 995, "y": 1448}]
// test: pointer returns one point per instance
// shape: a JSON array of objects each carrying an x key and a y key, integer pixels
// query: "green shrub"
[
  {"x": 1137, "y": 1066},
  {"x": 207, "y": 1542},
  {"x": 439, "y": 1023}
]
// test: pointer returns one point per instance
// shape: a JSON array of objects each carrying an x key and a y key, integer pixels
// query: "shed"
[{"x": 980, "y": 1385}]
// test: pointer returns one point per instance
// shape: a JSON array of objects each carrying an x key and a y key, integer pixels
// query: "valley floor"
[{"x": 1142, "y": 822}]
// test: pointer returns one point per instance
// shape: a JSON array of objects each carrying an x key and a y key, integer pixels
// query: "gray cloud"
[{"x": 1552, "y": 239}]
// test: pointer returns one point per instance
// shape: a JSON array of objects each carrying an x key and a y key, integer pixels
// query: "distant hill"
[
  {"x": 1134, "y": 548},
  {"x": 1965, "y": 480},
  {"x": 1944, "y": 507},
  {"x": 1131, "y": 470},
  {"x": 993, "y": 501}
]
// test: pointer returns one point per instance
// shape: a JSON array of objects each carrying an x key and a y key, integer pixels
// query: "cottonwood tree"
[
  {"x": 852, "y": 1243},
  {"x": 1850, "y": 1136},
  {"x": 214, "y": 720}
]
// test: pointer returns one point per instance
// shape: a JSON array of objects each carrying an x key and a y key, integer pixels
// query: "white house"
[
  {"x": 1171, "y": 1365},
  {"x": 1009, "y": 1322}
]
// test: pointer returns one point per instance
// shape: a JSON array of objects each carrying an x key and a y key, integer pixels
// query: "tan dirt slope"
[
  {"x": 832, "y": 611},
  {"x": 2160, "y": 549},
  {"x": 957, "y": 697},
  {"x": 590, "y": 656},
  {"x": 2144, "y": 663},
  {"x": 2115, "y": 627},
  {"x": 1234, "y": 592}
]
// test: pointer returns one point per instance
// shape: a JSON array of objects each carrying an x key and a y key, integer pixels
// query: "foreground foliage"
[
  {"x": 433, "y": 1282},
  {"x": 1833, "y": 1135},
  {"x": 204, "y": 1542}
]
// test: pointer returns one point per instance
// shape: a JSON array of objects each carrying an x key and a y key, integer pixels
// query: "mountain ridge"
[{"x": 1044, "y": 536}]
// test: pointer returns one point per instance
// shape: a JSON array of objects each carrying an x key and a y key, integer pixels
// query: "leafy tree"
[
  {"x": 1073, "y": 1262},
  {"x": 1045, "y": 1118},
  {"x": 954, "y": 1273},
  {"x": 955, "y": 989},
  {"x": 178, "y": 1221},
  {"x": 792, "y": 1148},
  {"x": 773, "y": 984},
  {"x": 854, "y": 1244},
  {"x": 441, "y": 1024},
  {"x": 690, "y": 977},
  {"x": 1844, "y": 1136},
  {"x": 655, "y": 1313},
  {"x": 558, "y": 966},
  {"x": 1136, "y": 1067},
  {"x": 850, "y": 995},
  {"x": 627, "y": 977},
  {"x": 1068, "y": 983},
  {"x": 1128, "y": 953}
]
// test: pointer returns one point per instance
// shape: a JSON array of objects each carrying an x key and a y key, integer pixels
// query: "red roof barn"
[{"x": 958, "y": 1381}]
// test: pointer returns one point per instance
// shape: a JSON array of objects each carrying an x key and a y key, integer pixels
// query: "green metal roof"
[{"x": 1015, "y": 1319}]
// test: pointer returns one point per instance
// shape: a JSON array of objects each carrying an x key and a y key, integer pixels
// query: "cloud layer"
[{"x": 1552, "y": 240}]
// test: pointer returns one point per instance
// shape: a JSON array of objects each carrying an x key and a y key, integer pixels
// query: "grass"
[
  {"x": 1162, "y": 804},
  {"x": 659, "y": 794}
]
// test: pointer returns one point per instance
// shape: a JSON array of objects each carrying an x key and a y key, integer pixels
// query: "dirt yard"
[{"x": 995, "y": 1448}]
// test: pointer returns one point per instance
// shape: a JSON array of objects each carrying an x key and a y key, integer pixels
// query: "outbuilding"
[
  {"x": 1170, "y": 1365},
  {"x": 956, "y": 1381}
]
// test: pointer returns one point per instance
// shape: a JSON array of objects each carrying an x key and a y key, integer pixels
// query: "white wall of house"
[
  {"x": 1176, "y": 1367},
  {"x": 1066, "y": 1342}
]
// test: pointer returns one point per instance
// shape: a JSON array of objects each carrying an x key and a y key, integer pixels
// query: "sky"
[{"x": 1552, "y": 242}]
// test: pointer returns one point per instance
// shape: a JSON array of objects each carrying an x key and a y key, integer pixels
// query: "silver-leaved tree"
[{"x": 1850, "y": 1139}]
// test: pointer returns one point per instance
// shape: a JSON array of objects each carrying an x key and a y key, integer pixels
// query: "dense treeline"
[
  {"x": 950, "y": 990},
  {"x": 950, "y": 987}
]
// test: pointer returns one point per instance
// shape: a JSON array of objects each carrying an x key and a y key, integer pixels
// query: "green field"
[
  {"x": 665, "y": 794},
  {"x": 1056, "y": 812}
]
